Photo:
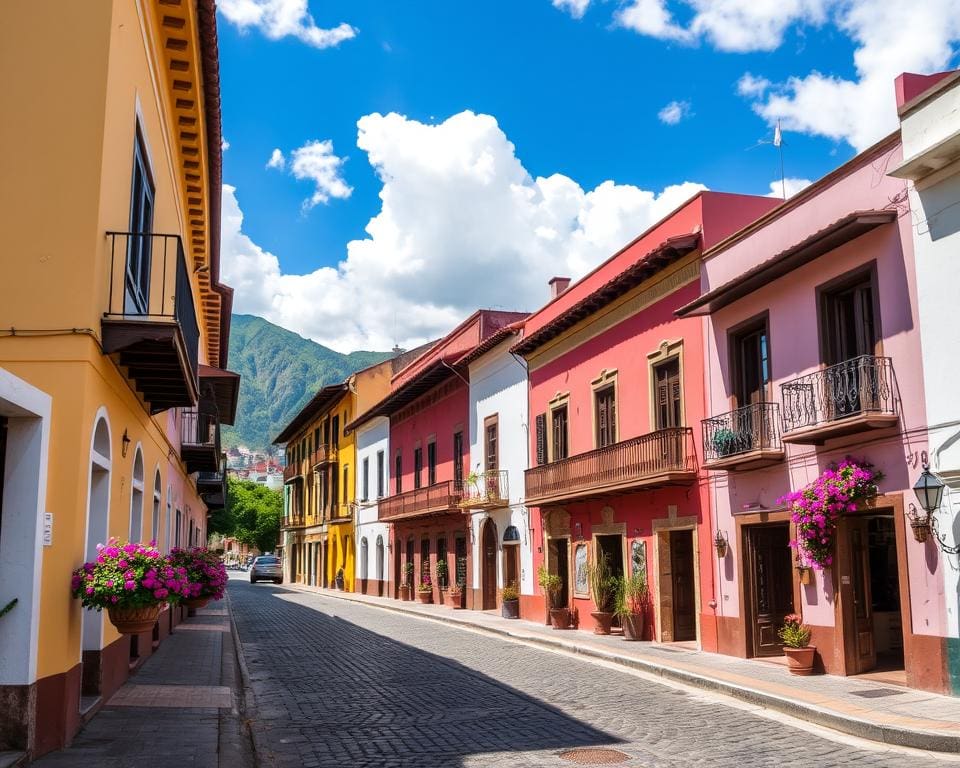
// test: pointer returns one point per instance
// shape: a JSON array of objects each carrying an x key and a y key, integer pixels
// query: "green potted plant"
[
  {"x": 425, "y": 589},
  {"x": 442, "y": 576},
  {"x": 405, "y": 579},
  {"x": 552, "y": 587},
  {"x": 796, "y": 645},
  {"x": 724, "y": 442},
  {"x": 510, "y": 602},
  {"x": 455, "y": 595},
  {"x": 602, "y": 589},
  {"x": 631, "y": 603},
  {"x": 205, "y": 572}
]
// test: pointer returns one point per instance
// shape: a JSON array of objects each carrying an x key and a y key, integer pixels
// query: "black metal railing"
[
  {"x": 199, "y": 430},
  {"x": 149, "y": 281},
  {"x": 751, "y": 428},
  {"x": 862, "y": 385}
]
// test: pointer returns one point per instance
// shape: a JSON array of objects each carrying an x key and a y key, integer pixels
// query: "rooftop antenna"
[{"x": 778, "y": 143}]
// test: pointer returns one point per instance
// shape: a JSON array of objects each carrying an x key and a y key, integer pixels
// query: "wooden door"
[
  {"x": 770, "y": 585},
  {"x": 858, "y": 616},
  {"x": 488, "y": 541},
  {"x": 669, "y": 409},
  {"x": 511, "y": 565},
  {"x": 684, "y": 593}
]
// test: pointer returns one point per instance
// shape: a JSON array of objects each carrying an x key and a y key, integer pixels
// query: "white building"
[
  {"x": 494, "y": 486},
  {"x": 929, "y": 109},
  {"x": 372, "y": 476}
]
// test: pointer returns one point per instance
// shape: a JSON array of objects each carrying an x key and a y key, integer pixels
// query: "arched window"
[
  {"x": 157, "y": 499},
  {"x": 511, "y": 535},
  {"x": 379, "y": 558},
  {"x": 136, "y": 497},
  {"x": 167, "y": 538},
  {"x": 363, "y": 558},
  {"x": 98, "y": 516}
]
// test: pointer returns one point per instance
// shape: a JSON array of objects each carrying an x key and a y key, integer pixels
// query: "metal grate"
[
  {"x": 878, "y": 693},
  {"x": 594, "y": 756}
]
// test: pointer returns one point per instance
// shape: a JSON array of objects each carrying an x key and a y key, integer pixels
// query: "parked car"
[{"x": 266, "y": 568}]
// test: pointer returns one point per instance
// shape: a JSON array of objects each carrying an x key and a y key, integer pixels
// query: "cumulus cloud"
[
  {"x": 674, "y": 112},
  {"x": 792, "y": 185},
  {"x": 462, "y": 225},
  {"x": 575, "y": 8},
  {"x": 315, "y": 161},
  {"x": 277, "y": 160},
  {"x": 750, "y": 85},
  {"x": 282, "y": 18},
  {"x": 224, "y": 144},
  {"x": 651, "y": 17}
]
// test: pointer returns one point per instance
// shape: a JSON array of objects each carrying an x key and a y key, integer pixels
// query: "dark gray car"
[{"x": 266, "y": 568}]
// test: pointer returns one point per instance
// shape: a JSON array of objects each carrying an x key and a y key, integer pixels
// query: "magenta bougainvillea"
[
  {"x": 205, "y": 572},
  {"x": 816, "y": 508}
]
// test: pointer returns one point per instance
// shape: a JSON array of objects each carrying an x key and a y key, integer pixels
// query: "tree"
[{"x": 253, "y": 514}]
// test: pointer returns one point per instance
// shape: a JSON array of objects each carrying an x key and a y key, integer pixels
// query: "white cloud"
[
  {"x": 791, "y": 184},
  {"x": 277, "y": 160},
  {"x": 651, "y": 17},
  {"x": 674, "y": 112},
  {"x": 459, "y": 214},
  {"x": 575, "y": 8},
  {"x": 749, "y": 85},
  {"x": 315, "y": 161},
  {"x": 224, "y": 144},
  {"x": 281, "y": 18}
]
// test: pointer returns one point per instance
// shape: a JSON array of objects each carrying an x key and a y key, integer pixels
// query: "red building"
[
  {"x": 429, "y": 412},
  {"x": 616, "y": 387}
]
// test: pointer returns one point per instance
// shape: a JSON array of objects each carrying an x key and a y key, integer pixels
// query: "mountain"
[{"x": 280, "y": 371}]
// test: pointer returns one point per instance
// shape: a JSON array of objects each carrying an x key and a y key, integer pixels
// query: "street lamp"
[{"x": 929, "y": 491}]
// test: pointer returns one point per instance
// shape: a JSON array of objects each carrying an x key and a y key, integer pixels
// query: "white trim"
[{"x": 103, "y": 463}]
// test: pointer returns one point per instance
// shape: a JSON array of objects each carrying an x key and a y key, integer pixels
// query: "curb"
[{"x": 886, "y": 734}]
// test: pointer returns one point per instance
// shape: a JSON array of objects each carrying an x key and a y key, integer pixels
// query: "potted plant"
[
  {"x": 425, "y": 590},
  {"x": 510, "y": 602},
  {"x": 455, "y": 595},
  {"x": 602, "y": 589},
  {"x": 205, "y": 572},
  {"x": 796, "y": 645},
  {"x": 724, "y": 442},
  {"x": 552, "y": 587},
  {"x": 406, "y": 578},
  {"x": 442, "y": 578},
  {"x": 132, "y": 582},
  {"x": 632, "y": 600}
]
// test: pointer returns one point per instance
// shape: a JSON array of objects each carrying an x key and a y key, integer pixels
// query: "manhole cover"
[
  {"x": 594, "y": 756},
  {"x": 876, "y": 693}
]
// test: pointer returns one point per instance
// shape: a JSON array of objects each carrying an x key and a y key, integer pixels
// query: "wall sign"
[{"x": 47, "y": 529}]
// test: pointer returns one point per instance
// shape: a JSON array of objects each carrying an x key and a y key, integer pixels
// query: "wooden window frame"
[
  {"x": 458, "y": 457},
  {"x": 606, "y": 380},
  {"x": 667, "y": 351},
  {"x": 381, "y": 477},
  {"x": 417, "y": 466},
  {"x": 398, "y": 471},
  {"x": 558, "y": 401},
  {"x": 733, "y": 334},
  {"x": 431, "y": 465},
  {"x": 365, "y": 481},
  {"x": 866, "y": 272},
  {"x": 491, "y": 421}
]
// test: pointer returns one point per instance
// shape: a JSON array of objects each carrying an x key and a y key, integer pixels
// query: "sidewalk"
[
  {"x": 866, "y": 708},
  {"x": 179, "y": 709}
]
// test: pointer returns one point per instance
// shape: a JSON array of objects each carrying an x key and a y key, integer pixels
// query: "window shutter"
[{"x": 541, "y": 423}]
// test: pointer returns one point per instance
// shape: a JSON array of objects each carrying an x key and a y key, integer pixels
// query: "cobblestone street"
[{"x": 337, "y": 684}]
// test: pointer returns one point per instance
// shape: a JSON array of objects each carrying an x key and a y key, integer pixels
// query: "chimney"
[{"x": 558, "y": 285}]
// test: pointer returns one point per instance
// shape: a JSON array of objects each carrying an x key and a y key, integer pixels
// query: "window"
[
  {"x": 667, "y": 401},
  {"x": 316, "y": 438},
  {"x": 458, "y": 459},
  {"x": 365, "y": 496},
  {"x": 558, "y": 428},
  {"x": 334, "y": 490},
  {"x": 848, "y": 327},
  {"x": 541, "y": 427},
  {"x": 179, "y": 528},
  {"x": 443, "y": 577},
  {"x": 431, "y": 463},
  {"x": 605, "y": 416},
  {"x": 751, "y": 364},
  {"x": 424, "y": 560},
  {"x": 491, "y": 455},
  {"x": 335, "y": 428},
  {"x": 137, "y": 293},
  {"x": 417, "y": 467},
  {"x": 346, "y": 483},
  {"x": 398, "y": 473},
  {"x": 380, "y": 483}
]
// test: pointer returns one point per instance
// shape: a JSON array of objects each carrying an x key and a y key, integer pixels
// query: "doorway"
[
  {"x": 558, "y": 562},
  {"x": 488, "y": 576},
  {"x": 683, "y": 587},
  {"x": 611, "y": 546},
  {"x": 770, "y": 585}
]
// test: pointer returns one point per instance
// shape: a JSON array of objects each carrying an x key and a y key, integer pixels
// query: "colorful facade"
[{"x": 112, "y": 385}]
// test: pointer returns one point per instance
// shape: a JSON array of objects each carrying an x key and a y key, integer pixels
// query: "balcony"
[
  {"x": 435, "y": 499},
  {"x": 490, "y": 490},
  {"x": 292, "y": 473},
  {"x": 212, "y": 486},
  {"x": 857, "y": 395},
  {"x": 747, "y": 438},
  {"x": 293, "y": 521},
  {"x": 200, "y": 441},
  {"x": 150, "y": 323},
  {"x": 324, "y": 454},
  {"x": 341, "y": 513},
  {"x": 661, "y": 458}
]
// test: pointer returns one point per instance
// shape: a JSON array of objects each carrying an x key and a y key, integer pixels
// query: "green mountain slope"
[{"x": 280, "y": 371}]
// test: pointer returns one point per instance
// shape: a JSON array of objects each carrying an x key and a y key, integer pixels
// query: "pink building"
[
  {"x": 616, "y": 389},
  {"x": 812, "y": 355}
]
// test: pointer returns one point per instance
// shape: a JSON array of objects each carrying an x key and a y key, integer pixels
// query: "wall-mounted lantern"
[
  {"x": 929, "y": 491},
  {"x": 124, "y": 444},
  {"x": 721, "y": 544}
]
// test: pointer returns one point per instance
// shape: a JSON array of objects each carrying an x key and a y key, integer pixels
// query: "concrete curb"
[{"x": 933, "y": 741}]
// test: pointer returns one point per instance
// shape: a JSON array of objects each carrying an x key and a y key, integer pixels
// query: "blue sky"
[{"x": 575, "y": 95}]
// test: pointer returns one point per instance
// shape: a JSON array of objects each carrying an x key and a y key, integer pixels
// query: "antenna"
[{"x": 778, "y": 142}]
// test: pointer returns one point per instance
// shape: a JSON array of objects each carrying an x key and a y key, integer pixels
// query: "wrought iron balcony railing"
[
  {"x": 200, "y": 441},
  {"x": 856, "y": 394},
  {"x": 753, "y": 429},
  {"x": 664, "y": 457},
  {"x": 486, "y": 490},
  {"x": 436, "y": 498}
]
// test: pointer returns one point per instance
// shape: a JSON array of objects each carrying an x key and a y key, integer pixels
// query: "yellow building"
[
  {"x": 320, "y": 480},
  {"x": 115, "y": 329}
]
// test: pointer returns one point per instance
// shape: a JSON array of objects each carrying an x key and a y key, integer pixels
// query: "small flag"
[{"x": 777, "y": 138}]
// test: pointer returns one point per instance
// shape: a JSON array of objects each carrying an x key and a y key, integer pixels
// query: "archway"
[
  {"x": 380, "y": 566},
  {"x": 363, "y": 565},
  {"x": 157, "y": 498},
  {"x": 488, "y": 560},
  {"x": 98, "y": 514},
  {"x": 136, "y": 497}
]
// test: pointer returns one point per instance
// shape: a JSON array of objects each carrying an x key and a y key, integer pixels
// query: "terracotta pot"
[
  {"x": 455, "y": 600},
  {"x": 633, "y": 626},
  {"x": 424, "y": 597},
  {"x": 196, "y": 602},
  {"x": 133, "y": 621},
  {"x": 560, "y": 618},
  {"x": 510, "y": 609},
  {"x": 602, "y": 621},
  {"x": 404, "y": 591},
  {"x": 800, "y": 660},
  {"x": 443, "y": 596}
]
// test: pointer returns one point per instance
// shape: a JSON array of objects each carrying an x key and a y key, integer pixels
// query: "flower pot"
[
  {"x": 443, "y": 596},
  {"x": 633, "y": 624},
  {"x": 196, "y": 602},
  {"x": 510, "y": 609},
  {"x": 560, "y": 618},
  {"x": 133, "y": 621},
  {"x": 404, "y": 591},
  {"x": 800, "y": 660},
  {"x": 602, "y": 621},
  {"x": 424, "y": 597},
  {"x": 455, "y": 600}
]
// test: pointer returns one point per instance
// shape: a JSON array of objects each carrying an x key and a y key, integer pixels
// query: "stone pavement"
[
  {"x": 864, "y": 708},
  {"x": 179, "y": 709},
  {"x": 335, "y": 682}
]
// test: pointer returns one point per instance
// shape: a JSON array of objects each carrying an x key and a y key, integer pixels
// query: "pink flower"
[{"x": 129, "y": 585}]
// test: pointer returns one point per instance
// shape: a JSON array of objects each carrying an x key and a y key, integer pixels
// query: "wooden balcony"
[
  {"x": 857, "y": 395},
  {"x": 292, "y": 473},
  {"x": 657, "y": 459},
  {"x": 490, "y": 490},
  {"x": 747, "y": 438},
  {"x": 150, "y": 323},
  {"x": 436, "y": 499},
  {"x": 341, "y": 513},
  {"x": 324, "y": 454},
  {"x": 200, "y": 441},
  {"x": 293, "y": 521}
]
